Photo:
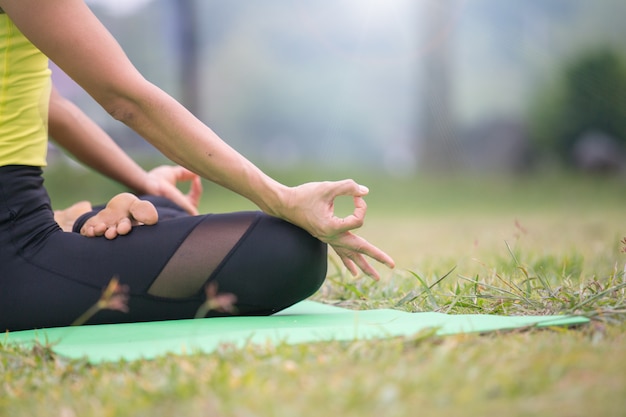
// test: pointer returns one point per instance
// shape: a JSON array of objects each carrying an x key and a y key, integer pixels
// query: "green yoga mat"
[{"x": 305, "y": 322}]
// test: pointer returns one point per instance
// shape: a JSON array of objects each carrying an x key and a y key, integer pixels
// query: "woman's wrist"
[
  {"x": 147, "y": 185},
  {"x": 274, "y": 198}
]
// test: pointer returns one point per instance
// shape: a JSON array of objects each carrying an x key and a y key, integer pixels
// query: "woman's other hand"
[{"x": 162, "y": 182}]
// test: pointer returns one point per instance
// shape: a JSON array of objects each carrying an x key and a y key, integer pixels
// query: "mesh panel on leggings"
[{"x": 200, "y": 254}]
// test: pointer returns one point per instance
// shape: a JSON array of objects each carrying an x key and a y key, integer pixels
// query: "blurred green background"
[{"x": 412, "y": 91}]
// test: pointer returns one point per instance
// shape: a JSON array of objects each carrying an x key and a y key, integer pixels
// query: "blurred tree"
[
  {"x": 438, "y": 137},
  {"x": 590, "y": 96},
  {"x": 189, "y": 50}
]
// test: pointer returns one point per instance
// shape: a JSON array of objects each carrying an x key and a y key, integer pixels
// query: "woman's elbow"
[
  {"x": 124, "y": 105},
  {"x": 122, "y": 110}
]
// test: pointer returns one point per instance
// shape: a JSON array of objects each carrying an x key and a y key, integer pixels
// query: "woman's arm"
[
  {"x": 79, "y": 135},
  {"x": 69, "y": 34}
]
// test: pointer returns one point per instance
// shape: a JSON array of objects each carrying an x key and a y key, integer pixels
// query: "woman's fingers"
[
  {"x": 182, "y": 174},
  {"x": 353, "y": 250},
  {"x": 165, "y": 178},
  {"x": 355, "y": 261},
  {"x": 184, "y": 201},
  {"x": 352, "y": 221},
  {"x": 195, "y": 191},
  {"x": 349, "y": 264},
  {"x": 352, "y": 242},
  {"x": 346, "y": 187}
]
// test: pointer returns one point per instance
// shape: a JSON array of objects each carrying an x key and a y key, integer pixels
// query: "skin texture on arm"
[
  {"x": 69, "y": 34},
  {"x": 84, "y": 139}
]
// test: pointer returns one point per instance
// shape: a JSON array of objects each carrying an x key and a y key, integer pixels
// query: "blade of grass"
[
  {"x": 598, "y": 296},
  {"x": 410, "y": 297},
  {"x": 513, "y": 295}
]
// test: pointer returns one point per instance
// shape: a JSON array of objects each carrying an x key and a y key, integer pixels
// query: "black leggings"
[{"x": 49, "y": 277}]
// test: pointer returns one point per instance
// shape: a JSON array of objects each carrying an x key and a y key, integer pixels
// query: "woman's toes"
[
  {"x": 124, "y": 226},
  {"x": 100, "y": 228},
  {"x": 111, "y": 233}
]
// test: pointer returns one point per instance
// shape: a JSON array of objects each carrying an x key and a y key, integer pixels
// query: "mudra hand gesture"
[
  {"x": 162, "y": 180},
  {"x": 311, "y": 206}
]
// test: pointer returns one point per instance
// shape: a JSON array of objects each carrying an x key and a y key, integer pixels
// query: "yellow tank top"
[{"x": 24, "y": 98}]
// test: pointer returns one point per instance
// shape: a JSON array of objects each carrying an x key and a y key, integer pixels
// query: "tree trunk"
[
  {"x": 189, "y": 51},
  {"x": 437, "y": 140}
]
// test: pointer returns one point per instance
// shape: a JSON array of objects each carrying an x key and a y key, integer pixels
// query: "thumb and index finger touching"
[
  {"x": 170, "y": 176},
  {"x": 345, "y": 240},
  {"x": 355, "y": 219}
]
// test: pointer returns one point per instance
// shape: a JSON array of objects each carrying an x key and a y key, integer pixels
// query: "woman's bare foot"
[
  {"x": 66, "y": 218},
  {"x": 118, "y": 217}
]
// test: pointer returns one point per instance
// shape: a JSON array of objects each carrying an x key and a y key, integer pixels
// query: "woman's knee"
[
  {"x": 275, "y": 265},
  {"x": 303, "y": 257}
]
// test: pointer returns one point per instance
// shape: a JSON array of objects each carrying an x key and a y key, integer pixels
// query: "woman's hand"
[
  {"x": 162, "y": 182},
  {"x": 312, "y": 207}
]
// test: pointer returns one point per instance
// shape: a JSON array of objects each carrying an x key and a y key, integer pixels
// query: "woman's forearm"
[
  {"x": 87, "y": 52},
  {"x": 187, "y": 141},
  {"x": 84, "y": 139}
]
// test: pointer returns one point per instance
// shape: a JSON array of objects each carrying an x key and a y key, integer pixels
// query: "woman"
[{"x": 48, "y": 277}]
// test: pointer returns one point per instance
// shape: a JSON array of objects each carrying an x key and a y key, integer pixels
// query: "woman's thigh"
[{"x": 266, "y": 263}]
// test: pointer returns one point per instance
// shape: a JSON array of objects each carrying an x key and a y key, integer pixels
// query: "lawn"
[{"x": 529, "y": 245}]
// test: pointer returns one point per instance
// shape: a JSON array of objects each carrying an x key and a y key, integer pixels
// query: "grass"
[{"x": 463, "y": 245}]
